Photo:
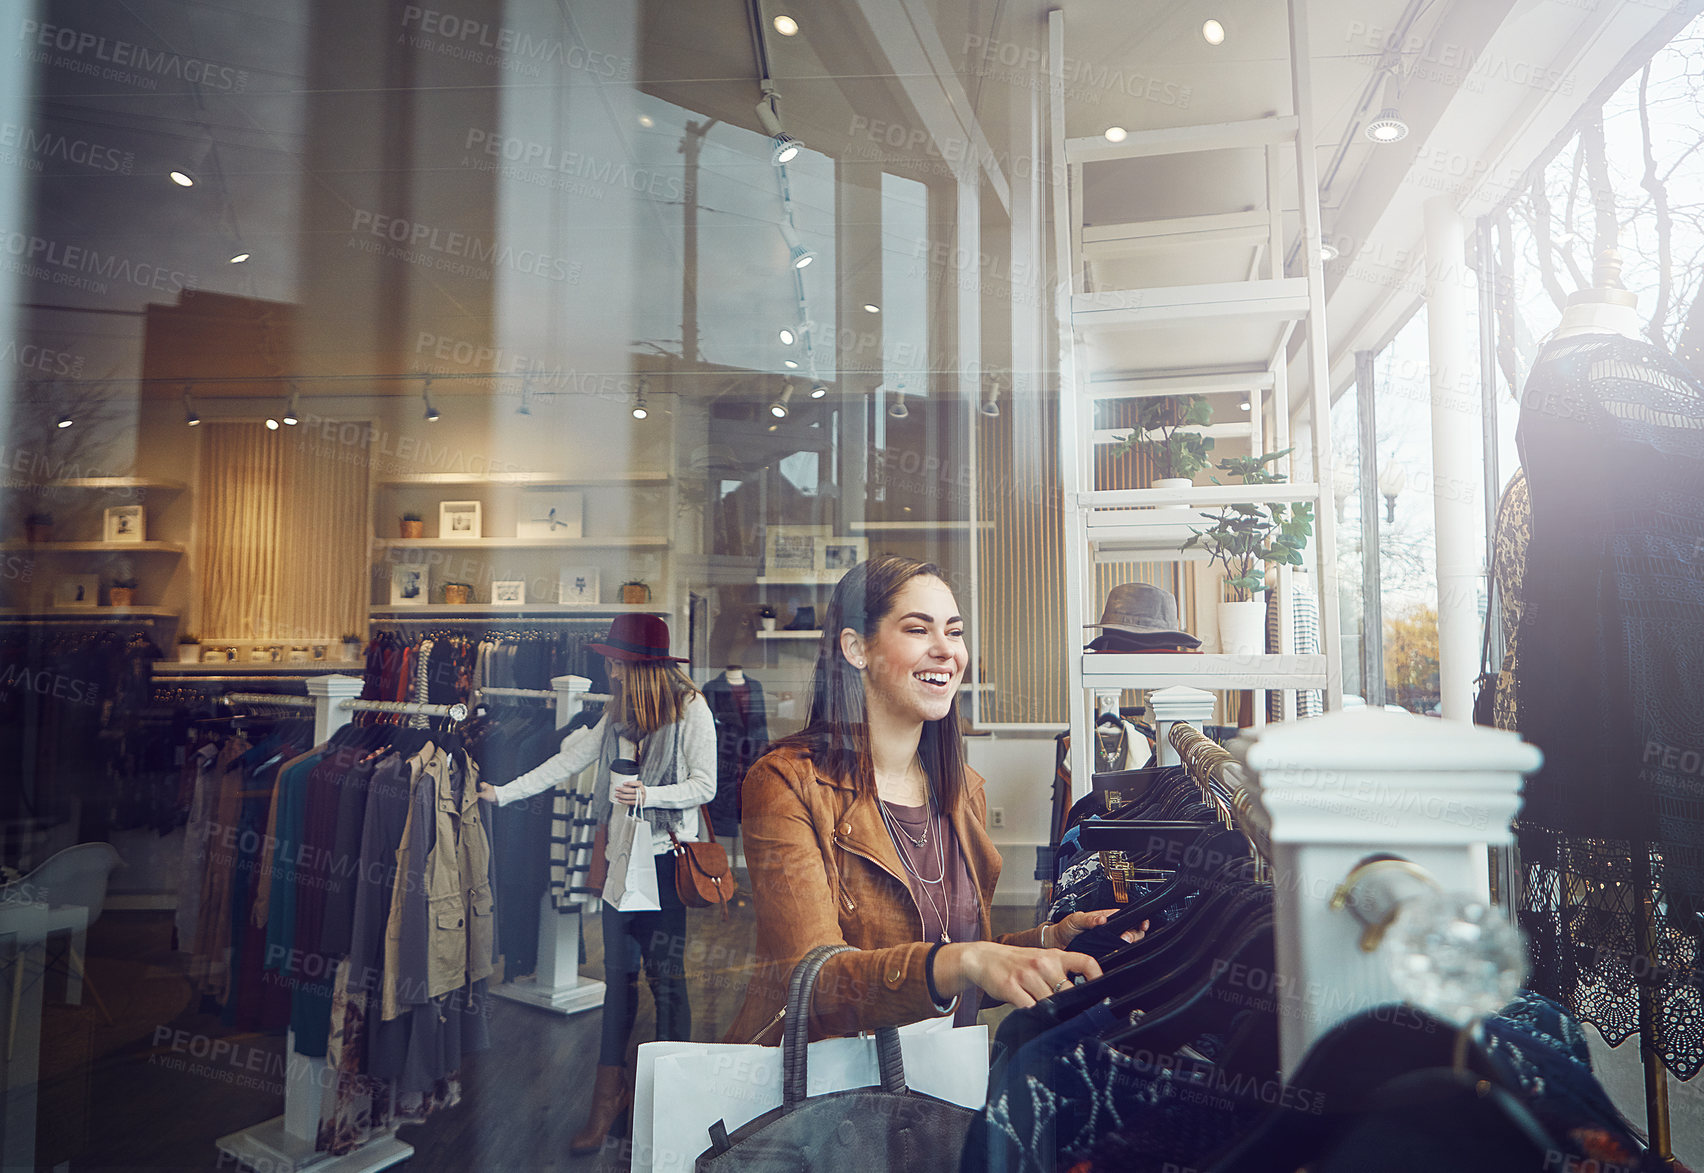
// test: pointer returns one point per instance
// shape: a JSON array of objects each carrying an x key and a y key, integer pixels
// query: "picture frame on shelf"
[
  {"x": 509, "y": 593},
  {"x": 790, "y": 551},
  {"x": 578, "y": 585},
  {"x": 459, "y": 521},
  {"x": 550, "y": 513},
  {"x": 409, "y": 585},
  {"x": 837, "y": 555},
  {"x": 125, "y": 523},
  {"x": 77, "y": 591}
]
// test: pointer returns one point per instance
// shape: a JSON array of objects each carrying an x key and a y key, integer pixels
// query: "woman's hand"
[
  {"x": 1062, "y": 932},
  {"x": 629, "y": 793},
  {"x": 1010, "y": 973},
  {"x": 487, "y": 792}
]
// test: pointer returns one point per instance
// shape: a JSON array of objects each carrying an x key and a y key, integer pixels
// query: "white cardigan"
[{"x": 698, "y": 764}]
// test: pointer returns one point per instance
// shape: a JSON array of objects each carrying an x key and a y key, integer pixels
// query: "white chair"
[{"x": 74, "y": 877}]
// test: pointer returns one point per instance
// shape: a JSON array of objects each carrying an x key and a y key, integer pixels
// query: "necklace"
[
  {"x": 923, "y": 882},
  {"x": 894, "y": 823}
]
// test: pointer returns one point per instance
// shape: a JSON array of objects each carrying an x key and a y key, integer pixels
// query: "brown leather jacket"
[{"x": 824, "y": 871}]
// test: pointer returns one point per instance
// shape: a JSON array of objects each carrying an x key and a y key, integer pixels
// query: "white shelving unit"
[
  {"x": 644, "y": 499},
  {"x": 1122, "y": 336}
]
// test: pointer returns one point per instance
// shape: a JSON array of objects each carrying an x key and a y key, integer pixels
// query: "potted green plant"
[
  {"x": 188, "y": 648},
  {"x": 412, "y": 525},
  {"x": 635, "y": 591},
  {"x": 38, "y": 526},
  {"x": 351, "y": 647},
  {"x": 1243, "y": 538},
  {"x": 1168, "y": 433}
]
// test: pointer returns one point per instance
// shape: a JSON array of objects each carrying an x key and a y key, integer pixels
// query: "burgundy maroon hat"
[{"x": 638, "y": 639}]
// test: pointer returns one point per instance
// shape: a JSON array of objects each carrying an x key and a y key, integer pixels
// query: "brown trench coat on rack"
[{"x": 824, "y": 871}]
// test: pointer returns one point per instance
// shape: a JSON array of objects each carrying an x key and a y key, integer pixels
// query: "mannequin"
[
  {"x": 1607, "y": 615},
  {"x": 1606, "y": 308},
  {"x": 742, "y": 736}
]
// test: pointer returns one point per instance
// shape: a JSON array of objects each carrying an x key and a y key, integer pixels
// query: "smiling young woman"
[{"x": 867, "y": 829}]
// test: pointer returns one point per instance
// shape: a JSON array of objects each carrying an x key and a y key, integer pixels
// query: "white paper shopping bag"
[
  {"x": 630, "y": 884},
  {"x": 684, "y": 1088}
]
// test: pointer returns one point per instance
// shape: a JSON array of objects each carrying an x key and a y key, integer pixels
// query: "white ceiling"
[{"x": 940, "y": 72}]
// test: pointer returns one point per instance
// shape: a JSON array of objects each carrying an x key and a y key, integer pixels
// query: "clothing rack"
[{"x": 288, "y": 1141}]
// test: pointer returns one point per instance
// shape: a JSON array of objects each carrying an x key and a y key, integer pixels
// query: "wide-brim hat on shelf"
[
  {"x": 1143, "y": 610},
  {"x": 638, "y": 639}
]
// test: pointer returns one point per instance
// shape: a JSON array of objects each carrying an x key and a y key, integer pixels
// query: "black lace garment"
[{"x": 1610, "y": 685}]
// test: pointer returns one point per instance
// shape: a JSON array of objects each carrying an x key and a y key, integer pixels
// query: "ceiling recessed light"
[
  {"x": 64, "y": 420},
  {"x": 239, "y": 258},
  {"x": 1243, "y": 405},
  {"x": 647, "y": 121},
  {"x": 1116, "y": 134},
  {"x": 788, "y": 337},
  {"x": 182, "y": 179},
  {"x": 871, "y": 307},
  {"x": 1328, "y": 251},
  {"x": 1213, "y": 32},
  {"x": 786, "y": 25},
  {"x": 818, "y": 391},
  {"x": 271, "y": 425},
  {"x": 789, "y": 364}
]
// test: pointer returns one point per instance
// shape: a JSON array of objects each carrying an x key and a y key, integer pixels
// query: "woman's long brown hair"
[
  {"x": 654, "y": 694},
  {"x": 837, "y": 735}
]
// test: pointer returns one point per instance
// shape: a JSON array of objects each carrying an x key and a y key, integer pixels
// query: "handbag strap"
[{"x": 796, "y": 1032}]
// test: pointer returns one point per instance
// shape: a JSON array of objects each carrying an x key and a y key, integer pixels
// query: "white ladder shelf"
[{"x": 1123, "y": 335}]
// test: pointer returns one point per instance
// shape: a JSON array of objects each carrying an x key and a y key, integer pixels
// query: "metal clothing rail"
[
  {"x": 456, "y": 712},
  {"x": 269, "y": 698},
  {"x": 492, "y": 621}
]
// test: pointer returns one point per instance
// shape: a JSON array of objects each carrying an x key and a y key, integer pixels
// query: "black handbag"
[{"x": 889, "y": 1129}]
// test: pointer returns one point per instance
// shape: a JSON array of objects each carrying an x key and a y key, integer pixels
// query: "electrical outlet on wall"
[{"x": 996, "y": 816}]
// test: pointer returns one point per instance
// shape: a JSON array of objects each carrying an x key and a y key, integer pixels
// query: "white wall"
[{"x": 1018, "y": 769}]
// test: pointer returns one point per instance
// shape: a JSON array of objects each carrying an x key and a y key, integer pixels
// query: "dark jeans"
[{"x": 659, "y": 939}]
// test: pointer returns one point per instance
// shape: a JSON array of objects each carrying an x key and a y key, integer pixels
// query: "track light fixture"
[
  {"x": 640, "y": 410},
  {"x": 431, "y": 414},
  {"x": 778, "y": 408},
  {"x": 290, "y": 416},
  {"x": 818, "y": 391},
  {"x": 991, "y": 400},
  {"x": 769, "y": 117},
  {"x": 1388, "y": 127},
  {"x": 190, "y": 416},
  {"x": 897, "y": 409},
  {"x": 797, "y": 254}
]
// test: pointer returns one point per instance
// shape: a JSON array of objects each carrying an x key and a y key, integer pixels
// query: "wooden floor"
[{"x": 133, "y": 1108}]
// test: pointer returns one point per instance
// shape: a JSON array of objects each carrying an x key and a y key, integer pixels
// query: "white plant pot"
[
  {"x": 1182, "y": 515},
  {"x": 768, "y": 624},
  {"x": 1242, "y": 628},
  {"x": 189, "y": 653}
]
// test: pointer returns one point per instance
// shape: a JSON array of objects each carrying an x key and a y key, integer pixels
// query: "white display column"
[
  {"x": 558, "y": 984},
  {"x": 1457, "y": 447},
  {"x": 1333, "y": 792}
]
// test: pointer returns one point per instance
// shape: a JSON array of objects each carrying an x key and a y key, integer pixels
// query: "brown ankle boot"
[{"x": 611, "y": 1096}]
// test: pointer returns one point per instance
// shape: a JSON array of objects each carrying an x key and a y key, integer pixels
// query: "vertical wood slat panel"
[{"x": 285, "y": 531}]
